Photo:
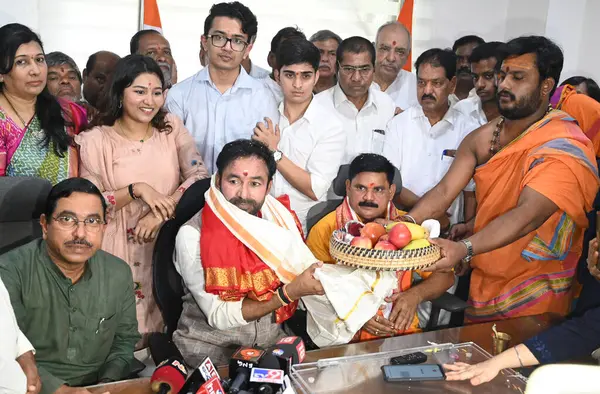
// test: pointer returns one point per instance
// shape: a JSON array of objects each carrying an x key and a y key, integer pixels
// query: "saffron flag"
[
  {"x": 150, "y": 18},
  {"x": 406, "y": 18}
]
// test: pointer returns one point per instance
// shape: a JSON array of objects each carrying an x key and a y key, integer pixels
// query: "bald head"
[
  {"x": 392, "y": 46},
  {"x": 96, "y": 76}
]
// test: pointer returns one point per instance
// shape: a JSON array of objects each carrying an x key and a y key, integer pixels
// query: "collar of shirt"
[
  {"x": 45, "y": 256},
  {"x": 310, "y": 115},
  {"x": 339, "y": 97},
  {"x": 449, "y": 118},
  {"x": 243, "y": 81}
]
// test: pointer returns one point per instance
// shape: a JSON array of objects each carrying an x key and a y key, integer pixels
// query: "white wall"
[{"x": 81, "y": 27}]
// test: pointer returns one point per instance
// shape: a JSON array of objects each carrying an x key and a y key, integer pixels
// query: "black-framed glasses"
[
  {"x": 67, "y": 222},
  {"x": 219, "y": 40},
  {"x": 364, "y": 71}
]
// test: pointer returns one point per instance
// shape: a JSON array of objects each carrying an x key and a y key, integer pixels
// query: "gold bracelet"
[
  {"x": 281, "y": 300},
  {"x": 286, "y": 294}
]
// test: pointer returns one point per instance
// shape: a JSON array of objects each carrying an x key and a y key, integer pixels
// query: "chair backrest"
[
  {"x": 22, "y": 201},
  {"x": 167, "y": 283},
  {"x": 319, "y": 211}
]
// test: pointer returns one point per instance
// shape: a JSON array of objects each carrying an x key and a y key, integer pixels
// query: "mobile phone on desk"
[{"x": 413, "y": 373}]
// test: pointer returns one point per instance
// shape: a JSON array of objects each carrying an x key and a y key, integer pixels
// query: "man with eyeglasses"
[
  {"x": 363, "y": 109},
  {"x": 392, "y": 46},
  {"x": 74, "y": 302},
  {"x": 222, "y": 103},
  {"x": 309, "y": 143}
]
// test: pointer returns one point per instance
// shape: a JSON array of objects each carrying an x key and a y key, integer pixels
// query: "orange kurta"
[
  {"x": 534, "y": 274},
  {"x": 584, "y": 109}
]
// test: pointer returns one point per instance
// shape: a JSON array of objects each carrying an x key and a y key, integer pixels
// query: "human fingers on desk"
[
  {"x": 379, "y": 326},
  {"x": 476, "y": 374}
]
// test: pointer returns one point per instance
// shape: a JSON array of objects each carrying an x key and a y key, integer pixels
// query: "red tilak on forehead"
[
  {"x": 393, "y": 42},
  {"x": 371, "y": 184},
  {"x": 245, "y": 173}
]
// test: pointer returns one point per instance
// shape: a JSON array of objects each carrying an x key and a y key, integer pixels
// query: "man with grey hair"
[
  {"x": 64, "y": 78},
  {"x": 327, "y": 42},
  {"x": 392, "y": 46},
  {"x": 153, "y": 44}
]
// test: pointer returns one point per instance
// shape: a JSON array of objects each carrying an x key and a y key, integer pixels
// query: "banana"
[
  {"x": 417, "y": 244},
  {"x": 416, "y": 231}
]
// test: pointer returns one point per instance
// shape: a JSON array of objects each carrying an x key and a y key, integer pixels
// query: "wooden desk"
[{"x": 520, "y": 329}]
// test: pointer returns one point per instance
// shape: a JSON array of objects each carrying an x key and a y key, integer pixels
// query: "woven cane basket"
[{"x": 377, "y": 259}]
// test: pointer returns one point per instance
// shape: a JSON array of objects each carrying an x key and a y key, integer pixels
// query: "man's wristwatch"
[
  {"x": 277, "y": 155},
  {"x": 469, "y": 246}
]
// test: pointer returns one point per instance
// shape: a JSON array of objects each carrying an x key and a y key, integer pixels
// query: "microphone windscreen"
[{"x": 171, "y": 372}]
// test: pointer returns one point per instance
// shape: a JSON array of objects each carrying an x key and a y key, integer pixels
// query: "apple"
[
  {"x": 353, "y": 227},
  {"x": 384, "y": 237},
  {"x": 385, "y": 245},
  {"x": 373, "y": 231},
  {"x": 362, "y": 242},
  {"x": 400, "y": 235}
]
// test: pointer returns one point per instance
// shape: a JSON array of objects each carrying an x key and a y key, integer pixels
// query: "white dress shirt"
[
  {"x": 471, "y": 106},
  {"x": 316, "y": 143},
  {"x": 365, "y": 129},
  {"x": 221, "y": 315},
  {"x": 453, "y": 98},
  {"x": 214, "y": 119},
  {"x": 403, "y": 90},
  {"x": 258, "y": 72},
  {"x": 13, "y": 345},
  {"x": 274, "y": 88},
  {"x": 415, "y": 148}
]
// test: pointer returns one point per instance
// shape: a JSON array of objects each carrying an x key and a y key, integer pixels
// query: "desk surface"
[{"x": 519, "y": 328}]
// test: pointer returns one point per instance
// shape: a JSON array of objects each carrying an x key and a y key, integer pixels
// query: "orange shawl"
[
  {"x": 534, "y": 274},
  {"x": 584, "y": 109}
]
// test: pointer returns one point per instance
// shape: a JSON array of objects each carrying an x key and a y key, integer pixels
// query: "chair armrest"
[{"x": 449, "y": 302}]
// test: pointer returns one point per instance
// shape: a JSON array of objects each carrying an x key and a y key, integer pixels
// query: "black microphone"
[
  {"x": 193, "y": 383},
  {"x": 240, "y": 365},
  {"x": 290, "y": 351}
]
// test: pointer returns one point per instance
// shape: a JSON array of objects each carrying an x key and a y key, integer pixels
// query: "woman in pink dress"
[{"x": 142, "y": 159}]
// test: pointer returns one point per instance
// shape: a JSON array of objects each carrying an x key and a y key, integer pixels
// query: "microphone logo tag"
[
  {"x": 265, "y": 375},
  {"x": 207, "y": 369},
  {"x": 301, "y": 351},
  {"x": 287, "y": 340},
  {"x": 278, "y": 352}
]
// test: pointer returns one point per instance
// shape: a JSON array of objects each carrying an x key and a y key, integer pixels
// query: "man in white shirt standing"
[
  {"x": 327, "y": 42},
  {"x": 363, "y": 109},
  {"x": 483, "y": 107},
  {"x": 393, "y": 45},
  {"x": 421, "y": 141},
  {"x": 222, "y": 103},
  {"x": 18, "y": 371},
  {"x": 462, "y": 48},
  {"x": 282, "y": 35},
  {"x": 310, "y": 147}
]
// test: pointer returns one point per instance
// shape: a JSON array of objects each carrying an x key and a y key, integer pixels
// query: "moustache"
[
  {"x": 368, "y": 204},
  {"x": 325, "y": 66},
  {"x": 428, "y": 96},
  {"x": 78, "y": 242},
  {"x": 505, "y": 93},
  {"x": 237, "y": 201}
]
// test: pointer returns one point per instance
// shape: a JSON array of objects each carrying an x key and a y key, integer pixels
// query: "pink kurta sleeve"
[
  {"x": 190, "y": 161},
  {"x": 92, "y": 166}
]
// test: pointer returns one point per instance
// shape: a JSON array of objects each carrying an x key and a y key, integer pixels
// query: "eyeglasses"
[
  {"x": 364, "y": 71},
  {"x": 70, "y": 223},
  {"x": 219, "y": 40}
]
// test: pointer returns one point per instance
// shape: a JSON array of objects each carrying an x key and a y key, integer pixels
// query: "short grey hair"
[
  {"x": 58, "y": 59},
  {"x": 324, "y": 35},
  {"x": 395, "y": 24}
]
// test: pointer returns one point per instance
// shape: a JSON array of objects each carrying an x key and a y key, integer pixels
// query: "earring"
[{"x": 120, "y": 104}]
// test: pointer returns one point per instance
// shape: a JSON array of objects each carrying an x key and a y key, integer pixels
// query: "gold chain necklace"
[{"x": 145, "y": 138}]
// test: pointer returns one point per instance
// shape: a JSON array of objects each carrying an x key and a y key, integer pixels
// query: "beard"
[
  {"x": 167, "y": 74},
  {"x": 250, "y": 206},
  {"x": 522, "y": 108}
]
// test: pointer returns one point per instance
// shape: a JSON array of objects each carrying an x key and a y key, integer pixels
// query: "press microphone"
[
  {"x": 290, "y": 350},
  {"x": 240, "y": 365},
  {"x": 211, "y": 386},
  {"x": 277, "y": 363},
  {"x": 169, "y": 376},
  {"x": 201, "y": 375}
]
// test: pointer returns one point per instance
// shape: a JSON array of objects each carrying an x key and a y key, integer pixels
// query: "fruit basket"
[{"x": 417, "y": 253}]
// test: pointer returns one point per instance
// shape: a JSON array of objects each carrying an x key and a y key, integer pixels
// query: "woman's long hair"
[
  {"x": 126, "y": 71},
  {"x": 47, "y": 107}
]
